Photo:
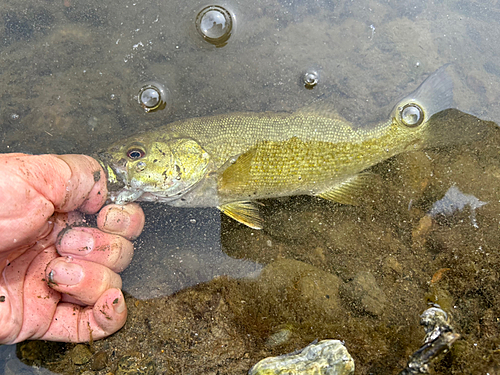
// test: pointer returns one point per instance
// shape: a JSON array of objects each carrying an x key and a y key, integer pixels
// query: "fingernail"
[
  {"x": 119, "y": 305},
  {"x": 117, "y": 220},
  {"x": 64, "y": 272},
  {"x": 76, "y": 242}
]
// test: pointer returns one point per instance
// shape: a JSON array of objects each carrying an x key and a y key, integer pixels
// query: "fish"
[{"x": 233, "y": 161}]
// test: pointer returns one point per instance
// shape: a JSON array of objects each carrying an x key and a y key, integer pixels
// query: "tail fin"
[
  {"x": 433, "y": 95},
  {"x": 444, "y": 125}
]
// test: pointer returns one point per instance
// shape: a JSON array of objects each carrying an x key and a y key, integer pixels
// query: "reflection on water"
[
  {"x": 455, "y": 200},
  {"x": 70, "y": 75},
  {"x": 10, "y": 364},
  {"x": 181, "y": 248}
]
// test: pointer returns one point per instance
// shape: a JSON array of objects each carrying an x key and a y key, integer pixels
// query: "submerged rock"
[
  {"x": 327, "y": 357},
  {"x": 80, "y": 354},
  {"x": 298, "y": 290},
  {"x": 128, "y": 365},
  {"x": 278, "y": 338},
  {"x": 99, "y": 361},
  {"x": 365, "y": 294}
]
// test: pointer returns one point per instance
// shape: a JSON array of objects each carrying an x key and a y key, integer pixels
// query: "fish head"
[{"x": 160, "y": 170}]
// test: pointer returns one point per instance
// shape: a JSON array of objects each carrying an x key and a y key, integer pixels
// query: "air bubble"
[
  {"x": 412, "y": 115},
  {"x": 152, "y": 97},
  {"x": 214, "y": 24},
  {"x": 310, "y": 79}
]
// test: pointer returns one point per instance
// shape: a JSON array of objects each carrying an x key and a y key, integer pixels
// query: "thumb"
[
  {"x": 85, "y": 189},
  {"x": 34, "y": 186},
  {"x": 67, "y": 181}
]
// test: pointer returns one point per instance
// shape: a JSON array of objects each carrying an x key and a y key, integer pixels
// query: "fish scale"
[
  {"x": 275, "y": 169},
  {"x": 224, "y": 136}
]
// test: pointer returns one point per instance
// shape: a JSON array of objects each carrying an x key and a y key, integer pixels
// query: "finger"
[
  {"x": 62, "y": 220},
  {"x": 86, "y": 188},
  {"x": 58, "y": 222},
  {"x": 66, "y": 181},
  {"x": 110, "y": 250},
  {"x": 55, "y": 224},
  {"x": 127, "y": 220},
  {"x": 23, "y": 207},
  {"x": 73, "y": 323},
  {"x": 34, "y": 186},
  {"x": 39, "y": 300},
  {"x": 83, "y": 280},
  {"x": 27, "y": 300}
]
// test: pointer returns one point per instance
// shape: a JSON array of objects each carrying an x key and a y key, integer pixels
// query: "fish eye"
[
  {"x": 411, "y": 115},
  {"x": 135, "y": 153}
]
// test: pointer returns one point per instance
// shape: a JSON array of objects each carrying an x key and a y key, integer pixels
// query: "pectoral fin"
[
  {"x": 351, "y": 190},
  {"x": 236, "y": 175},
  {"x": 244, "y": 212}
]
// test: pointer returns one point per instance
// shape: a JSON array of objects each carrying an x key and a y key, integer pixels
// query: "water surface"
[{"x": 69, "y": 75}]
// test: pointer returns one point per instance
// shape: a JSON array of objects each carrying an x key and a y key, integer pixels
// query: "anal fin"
[
  {"x": 351, "y": 190},
  {"x": 244, "y": 212}
]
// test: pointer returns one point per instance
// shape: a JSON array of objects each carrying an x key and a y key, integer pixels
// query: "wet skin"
[{"x": 59, "y": 279}]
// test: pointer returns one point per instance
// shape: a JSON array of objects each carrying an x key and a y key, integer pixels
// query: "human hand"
[{"x": 59, "y": 280}]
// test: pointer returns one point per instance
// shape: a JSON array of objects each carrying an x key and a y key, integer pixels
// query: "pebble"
[
  {"x": 131, "y": 365},
  {"x": 80, "y": 354},
  {"x": 99, "y": 361},
  {"x": 327, "y": 357},
  {"x": 365, "y": 295}
]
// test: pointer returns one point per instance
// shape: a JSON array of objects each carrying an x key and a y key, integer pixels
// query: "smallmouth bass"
[{"x": 231, "y": 161}]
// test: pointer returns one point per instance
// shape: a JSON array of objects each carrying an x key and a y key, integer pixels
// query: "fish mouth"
[{"x": 115, "y": 177}]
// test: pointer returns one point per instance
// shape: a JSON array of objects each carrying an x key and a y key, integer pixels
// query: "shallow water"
[{"x": 69, "y": 72}]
